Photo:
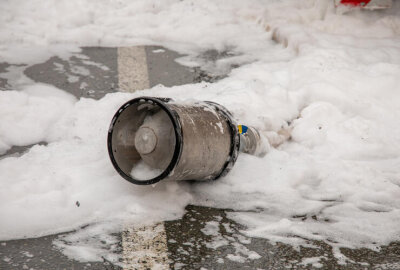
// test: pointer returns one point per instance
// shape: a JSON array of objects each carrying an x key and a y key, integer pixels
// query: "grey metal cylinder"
[
  {"x": 153, "y": 139},
  {"x": 251, "y": 142}
]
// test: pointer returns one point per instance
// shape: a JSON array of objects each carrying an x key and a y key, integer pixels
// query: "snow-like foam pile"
[
  {"x": 335, "y": 78},
  {"x": 70, "y": 182},
  {"x": 27, "y": 114}
]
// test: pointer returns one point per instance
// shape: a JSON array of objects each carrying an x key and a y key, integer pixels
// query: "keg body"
[{"x": 153, "y": 139}]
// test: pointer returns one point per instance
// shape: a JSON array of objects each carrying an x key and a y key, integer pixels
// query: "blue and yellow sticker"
[{"x": 242, "y": 129}]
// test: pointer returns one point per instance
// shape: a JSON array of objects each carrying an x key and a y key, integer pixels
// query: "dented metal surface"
[{"x": 153, "y": 139}]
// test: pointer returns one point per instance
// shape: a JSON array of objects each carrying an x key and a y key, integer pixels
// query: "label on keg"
[{"x": 242, "y": 129}]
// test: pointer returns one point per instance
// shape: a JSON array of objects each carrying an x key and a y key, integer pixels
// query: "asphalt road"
[{"x": 178, "y": 244}]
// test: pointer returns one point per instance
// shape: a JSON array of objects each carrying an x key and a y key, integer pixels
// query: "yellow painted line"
[
  {"x": 132, "y": 69},
  {"x": 145, "y": 247}
]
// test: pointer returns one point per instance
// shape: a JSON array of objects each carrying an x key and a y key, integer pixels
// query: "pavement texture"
[{"x": 185, "y": 243}]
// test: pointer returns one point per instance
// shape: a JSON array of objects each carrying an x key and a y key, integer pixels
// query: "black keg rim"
[
  {"x": 178, "y": 140},
  {"x": 235, "y": 139}
]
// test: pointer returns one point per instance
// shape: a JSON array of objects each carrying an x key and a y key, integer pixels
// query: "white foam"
[
  {"x": 314, "y": 261},
  {"x": 334, "y": 77},
  {"x": 142, "y": 171}
]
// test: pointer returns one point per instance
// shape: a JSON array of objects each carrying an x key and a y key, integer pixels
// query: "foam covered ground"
[{"x": 334, "y": 77}]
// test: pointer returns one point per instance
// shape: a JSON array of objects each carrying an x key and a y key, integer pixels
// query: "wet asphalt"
[{"x": 189, "y": 246}]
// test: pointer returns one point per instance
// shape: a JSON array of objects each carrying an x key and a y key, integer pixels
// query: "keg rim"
[
  {"x": 178, "y": 139},
  {"x": 235, "y": 139}
]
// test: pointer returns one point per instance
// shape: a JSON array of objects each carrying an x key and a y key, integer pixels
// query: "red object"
[{"x": 355, "y": 2}]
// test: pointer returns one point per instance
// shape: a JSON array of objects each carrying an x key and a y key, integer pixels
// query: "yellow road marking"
[
  {"x": 144, "y": 247},
  {"x": 132, "y": 69}
]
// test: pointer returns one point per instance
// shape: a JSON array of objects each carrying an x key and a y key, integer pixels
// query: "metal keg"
[{"x": 152, "y": 139}]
